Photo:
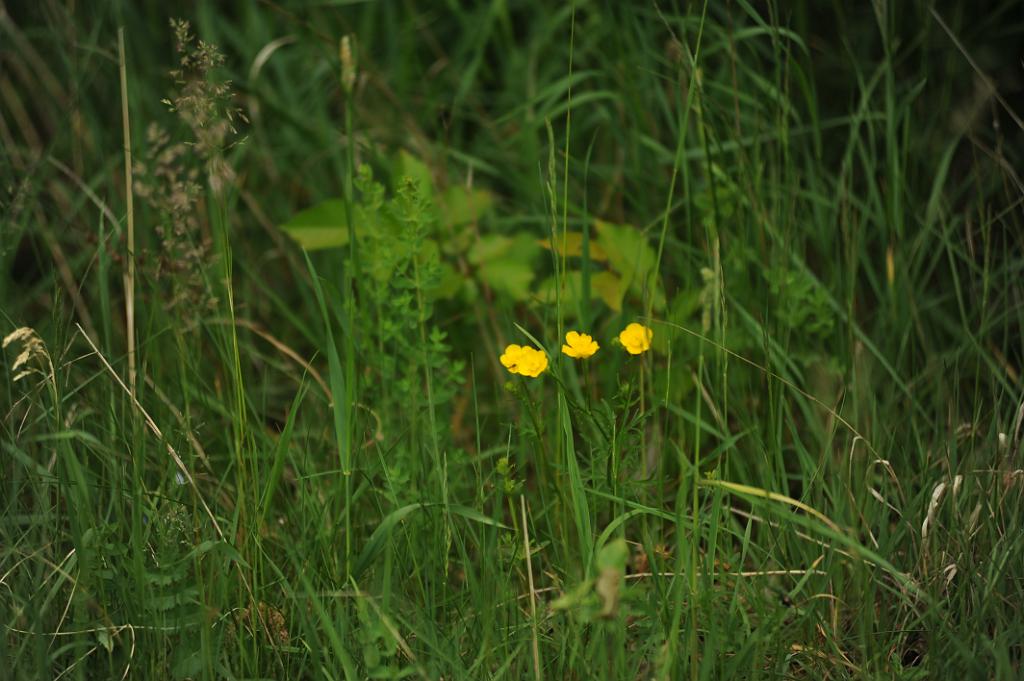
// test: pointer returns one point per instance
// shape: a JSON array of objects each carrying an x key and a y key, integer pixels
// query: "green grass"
[{"x": 321, "y": 469}]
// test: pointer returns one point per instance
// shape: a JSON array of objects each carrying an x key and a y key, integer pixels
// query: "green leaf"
[
  {"x": 105, "y": 640},
  {"x": 505, "y": 263},
  {"x": 685, "y": 305},
  {"x": 610, "y": 288},
  {"x": 571, "y": 287},
  {"x": 604, "y": 285},
  {"x": 577, "y": 493},
  {"x": 462, "y": 206},
  {"x": 573, "y": 598},
  {"x": 475, "y": 515},
  {"x": 631, "y": 256},
  {"x": 450, "y": 282},
  {"x": 611, "y": 566},
  {"x": 326, "y": 226},
  {"x": 375, "y": 544},
  {"x": 280, "y": 451},
  {"x": 613, "y": 556},
  {"x": 322, "y": 226},
  {"x": 186, "y": 663},
  {"x": 570, "y": 245},
  {"x": 217, "y": 546},
  {"x": 489, "y": 247},
  {"x": 509, "y": 276}
]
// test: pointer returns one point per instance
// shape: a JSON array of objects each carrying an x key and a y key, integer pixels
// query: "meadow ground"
[{"x": 261, "y": 266}]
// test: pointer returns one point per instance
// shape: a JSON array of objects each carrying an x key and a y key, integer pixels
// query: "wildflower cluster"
[{"x": 527, "y": 361}]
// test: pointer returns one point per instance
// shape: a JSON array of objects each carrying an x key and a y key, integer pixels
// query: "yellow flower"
[
  {"x": 524, "y": 360},
  {"x": 533, "y": 363},
  {"x": 510, "y": 360},
  {"x": 579, "y": 345},
  {"x": 636, "y": 338}
]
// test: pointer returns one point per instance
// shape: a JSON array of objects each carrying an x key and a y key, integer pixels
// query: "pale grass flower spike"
[{"x": 32, "y": 349}]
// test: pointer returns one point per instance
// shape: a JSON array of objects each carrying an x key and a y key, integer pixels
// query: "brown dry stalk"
[{"x": 129, "y": 280}]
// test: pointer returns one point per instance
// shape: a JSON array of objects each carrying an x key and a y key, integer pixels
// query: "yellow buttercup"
[
  {"x": 524, "y": 360},
  {"x": 636, "y": 338},
  {"x": 579, "y": 345}
]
